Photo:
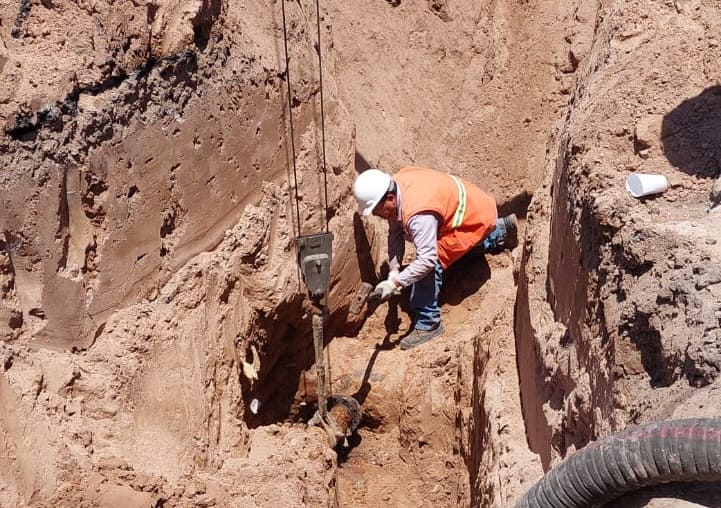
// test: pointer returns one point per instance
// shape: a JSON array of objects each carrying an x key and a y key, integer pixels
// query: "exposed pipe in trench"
[{"x": 656, "y": 453}]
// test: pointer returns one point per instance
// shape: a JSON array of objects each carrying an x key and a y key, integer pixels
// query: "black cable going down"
[
  {"x": 322, "y": 114},
  {"x": 290, "y": 117},
  {"x": 656, "y": 453}
]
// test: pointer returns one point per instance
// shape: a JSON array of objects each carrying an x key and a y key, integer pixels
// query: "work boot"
[
  {"x": 511, "y": 239},
  {"x": 418, "y": 337}
]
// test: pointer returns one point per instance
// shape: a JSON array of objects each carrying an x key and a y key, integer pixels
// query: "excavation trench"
[
  {"x": 430, "y": 416},
  {"x": 148, "y": 278},
  {"x": 438, "y": 415},
  {"x": 151, "y": 308}
]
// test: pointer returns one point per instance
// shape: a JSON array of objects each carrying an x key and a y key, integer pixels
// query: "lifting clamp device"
[{"x": 342, "y": 418}]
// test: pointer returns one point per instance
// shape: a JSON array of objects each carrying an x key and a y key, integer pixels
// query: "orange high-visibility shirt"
[{"x": 467, "y": 213}]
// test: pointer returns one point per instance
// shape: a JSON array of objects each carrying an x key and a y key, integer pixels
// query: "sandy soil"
[{"x": 151, "y": 198}]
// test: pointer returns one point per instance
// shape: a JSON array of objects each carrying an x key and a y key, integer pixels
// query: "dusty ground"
[{"x": 148, "y": 286}]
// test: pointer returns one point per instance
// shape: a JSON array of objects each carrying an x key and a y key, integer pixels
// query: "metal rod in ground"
[{"x": 320, "y": 367}]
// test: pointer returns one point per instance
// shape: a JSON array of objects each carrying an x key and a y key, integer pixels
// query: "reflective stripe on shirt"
[{"x": 461, "y": 210}]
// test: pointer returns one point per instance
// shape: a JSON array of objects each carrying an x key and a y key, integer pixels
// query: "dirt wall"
[
  {"x": 148, "y": 281},
  {"x": 148, "y": 250},
  {"x": 618, "y": 312}
]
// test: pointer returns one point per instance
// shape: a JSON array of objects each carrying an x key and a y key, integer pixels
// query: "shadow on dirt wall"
[
  {"x": 464, "y": 278},
  {"x": 691, "y": 134},
  {"x": 517, "y": 204},
  {"x": 361, "y": 164},
  {"x": 366, "y": 265}
]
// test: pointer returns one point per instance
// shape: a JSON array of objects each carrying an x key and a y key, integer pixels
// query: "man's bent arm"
[{"x": 423, "y": 229}]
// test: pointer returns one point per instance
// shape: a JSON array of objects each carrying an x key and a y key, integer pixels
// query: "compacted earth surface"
[{"x": 159, "y": 159}]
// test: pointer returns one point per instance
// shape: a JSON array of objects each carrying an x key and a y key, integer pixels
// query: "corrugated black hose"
[{"x": 652, "y": 454}]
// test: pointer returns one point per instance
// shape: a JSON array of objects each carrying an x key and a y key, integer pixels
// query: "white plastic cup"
[{"x": 640, "y": 184}]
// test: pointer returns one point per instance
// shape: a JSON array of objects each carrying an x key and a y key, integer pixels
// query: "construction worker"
[{"x": 445, "y": 217}]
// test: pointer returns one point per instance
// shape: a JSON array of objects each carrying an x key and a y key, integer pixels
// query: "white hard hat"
[{"x": 369, "y": 188}]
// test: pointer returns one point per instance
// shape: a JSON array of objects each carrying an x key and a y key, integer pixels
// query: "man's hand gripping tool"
[{"x": 364, "y": 293}]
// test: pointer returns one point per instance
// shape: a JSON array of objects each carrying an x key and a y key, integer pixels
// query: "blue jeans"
[
  {"x": 424, "y": 299},
  {"x": 494, "y": 241},
  {"x": 424, "y": 293}
]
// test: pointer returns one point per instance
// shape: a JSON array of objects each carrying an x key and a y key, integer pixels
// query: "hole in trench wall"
[
  {"x": 286, "y": 388},
  {"x": 284, "y": 358}
]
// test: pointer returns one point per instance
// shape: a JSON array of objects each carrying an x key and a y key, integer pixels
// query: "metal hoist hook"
[{"x": 315, "y": 254}]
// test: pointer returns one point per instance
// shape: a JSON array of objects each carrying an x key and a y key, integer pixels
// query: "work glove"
[{"x": 385, "y": 289}]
